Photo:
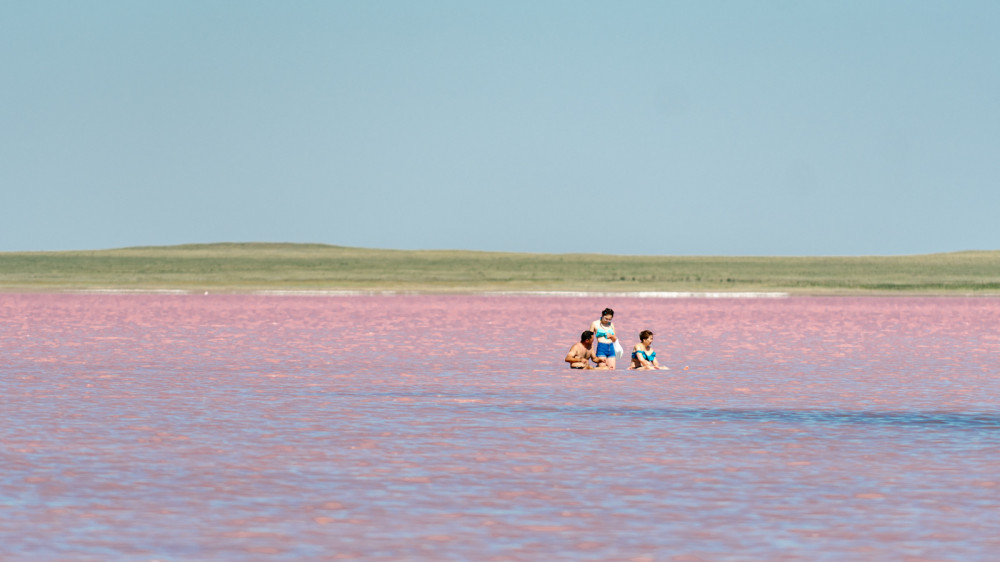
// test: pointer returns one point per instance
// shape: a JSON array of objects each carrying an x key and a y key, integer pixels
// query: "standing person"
[
  {"x": 643, "y": 356},
  {"x": 582, "y": 353},
  {"x": 604, "y": 331}
]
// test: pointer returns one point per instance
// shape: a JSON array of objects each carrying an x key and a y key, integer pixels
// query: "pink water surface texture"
[{"x": 414, "y": 427}]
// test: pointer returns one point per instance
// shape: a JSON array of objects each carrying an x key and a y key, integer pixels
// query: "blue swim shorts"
[{"x": 605, "y": 349}]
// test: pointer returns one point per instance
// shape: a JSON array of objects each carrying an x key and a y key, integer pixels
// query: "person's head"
[
  {"x": 607, "y": 315},
  {"x": 646, "y": 335},
  {"x": 586, "y": 335}
]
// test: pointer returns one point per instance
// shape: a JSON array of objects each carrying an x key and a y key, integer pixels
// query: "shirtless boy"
[{"x": 581, "y": 354}]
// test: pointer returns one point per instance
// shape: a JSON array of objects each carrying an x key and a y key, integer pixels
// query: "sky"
[{"x": 750, "y": 127}]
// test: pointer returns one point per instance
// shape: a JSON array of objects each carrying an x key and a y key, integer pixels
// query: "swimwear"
[
  {"x": 603, "y": 332},
  {"x": 647, "y": 357},
  {"x": 605, "y": 349}
]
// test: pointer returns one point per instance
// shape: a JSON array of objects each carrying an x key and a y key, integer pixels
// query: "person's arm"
[
  {"x": 570, "y": 357},
  {"x": 641, "y": 357},
  {"x": 656, "y": 364},
  {"x": 592, "y": 355},
  {"x": 613, "y": 337}
]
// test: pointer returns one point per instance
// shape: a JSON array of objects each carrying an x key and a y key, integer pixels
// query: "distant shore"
[{"x": 330, "y": 270}]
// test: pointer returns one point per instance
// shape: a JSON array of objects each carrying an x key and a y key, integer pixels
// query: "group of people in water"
[{"x": 583, "y": 355}]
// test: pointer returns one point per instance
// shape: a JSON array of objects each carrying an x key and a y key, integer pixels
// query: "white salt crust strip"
[
  {"x": 638, "y": 294},
  {"x": 645, "y": 294},
  {"x": 131, "y": 292},
  {"x": 307, "y": 293}
]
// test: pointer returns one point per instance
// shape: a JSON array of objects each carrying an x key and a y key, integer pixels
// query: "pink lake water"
[{"x": 183, "y": 427}]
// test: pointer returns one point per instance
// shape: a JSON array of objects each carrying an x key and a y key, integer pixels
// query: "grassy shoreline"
[{"x": 253, "y": 267}]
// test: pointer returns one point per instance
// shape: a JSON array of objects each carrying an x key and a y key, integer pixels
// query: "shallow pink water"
[{"x": 140, "y": 427}]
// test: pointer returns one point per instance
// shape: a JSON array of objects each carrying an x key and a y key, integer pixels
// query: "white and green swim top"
[{"x": 603, "y": 332}]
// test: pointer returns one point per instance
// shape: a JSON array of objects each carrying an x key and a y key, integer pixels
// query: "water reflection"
[
  {"x": 489, "y": 401},
  {"x": 864, "y": 418}
]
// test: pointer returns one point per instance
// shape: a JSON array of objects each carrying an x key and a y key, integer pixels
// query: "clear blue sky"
[{"x": 727, "y": 128}]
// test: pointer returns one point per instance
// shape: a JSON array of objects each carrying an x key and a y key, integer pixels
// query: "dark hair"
[
  {"x": 607, "y": 311},
  {"x": 586, "y": 335},
  {"x": 644, "y": 334}
]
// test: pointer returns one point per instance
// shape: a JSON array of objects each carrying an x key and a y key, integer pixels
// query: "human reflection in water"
[
  {"x": 643, "y": 356},
  {"x": 582, "y": 353}
]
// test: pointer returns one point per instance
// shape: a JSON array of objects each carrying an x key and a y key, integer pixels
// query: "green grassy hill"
[{"x": 254, "y": 267}]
